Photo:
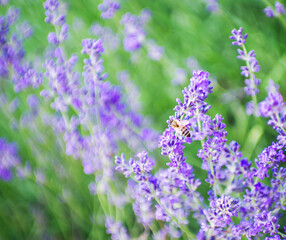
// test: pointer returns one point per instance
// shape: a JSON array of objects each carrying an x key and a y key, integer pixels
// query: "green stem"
[{"x": 281, "y": 234}]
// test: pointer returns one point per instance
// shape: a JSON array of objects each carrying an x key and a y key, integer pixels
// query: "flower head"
[{"x": 108, "y": 8}]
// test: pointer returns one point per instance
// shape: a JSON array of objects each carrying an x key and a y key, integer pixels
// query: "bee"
[{"x": 180, "y": 127}]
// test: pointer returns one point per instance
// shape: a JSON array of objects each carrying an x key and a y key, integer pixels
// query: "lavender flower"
[
  {"x": 155, "y": 52},
  {"x": 92, "y": 188},
  {"x": 229, "y": 173},
  {"x": 133, "y": 30},
  {"x": 271, "y": 157},
  {"x": 116, "y": 229},
  {"x": 4, "y": 2},
  {"x": 8, "y": 159},
  {"x": 108, "y": 8},
  {"x": 192, "y": 64},
  {"x": 249, "y": 70},
  {"x": 142, "y": 207},
  {"x": 269, "y": 12},
  {"x": 12, "y": 61},
  {"x": 266, "y": 222},
  {"x": 212, "y": 6},
  {"x": 55, "y": 12},
  {"x": 180, "y": 76},
  {"x": 221, "y": 210},
  {"x": 100, "y": 112},
  {"x": 279, "y": 8},
  {"x": 273, "y": 107},
  {"x": 111, "y": 40}
]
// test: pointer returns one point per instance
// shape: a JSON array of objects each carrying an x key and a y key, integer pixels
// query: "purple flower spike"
[
  {"x": 279, "y": 7},
  {"x": 134, "y": 32},
  {"x": 108, "y": 8},
  {"x": 8, "y": 159},
  {"x": 269, "y": 12},
  {"x": 238, "y": 37},
  {"x": 221, "y": 210},
  {"x": 116, "y": 229},
  {"x": 122, "y": 165},
  {"x": 249, "y": 70}
]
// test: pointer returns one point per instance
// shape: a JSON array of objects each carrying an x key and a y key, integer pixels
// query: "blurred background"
[{"x": 56, "y": 203}]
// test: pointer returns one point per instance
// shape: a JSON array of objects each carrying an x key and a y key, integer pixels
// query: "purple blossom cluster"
[
  {"x": 91, "y": 113},
  {"x": 134, "y": 30},
  {"x": 271, "y": 12},
  {"x": 9, "y": 159},
  {"x": 170, "y": 208},
  {"x": 23, "y": 74},
  {"x": 111, "y": 40},
  {"x": 155, "y": 52},
  {"x": 108, "y": 8},
  {"x": 96, "y": 119},
  {"x": 135, "y": 35},
  {"x": 249, "y": 70},
  {"x": 4, "y": 2},
  {"x": 273, "y": 107},
  {"x": 212, "y": 6},
  {"x": 239, "y": 203}
]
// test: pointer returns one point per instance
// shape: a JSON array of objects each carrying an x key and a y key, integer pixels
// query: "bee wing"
[{"x": 184, "y": 122}]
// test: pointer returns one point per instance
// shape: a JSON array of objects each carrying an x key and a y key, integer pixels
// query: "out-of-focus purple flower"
[
  {"x": 122, "y": 165},
  {"x": 192, "y": 64},
  {"x": 12, "y": 55},
  {"x": 14, "y": 105},
  {"x": 279, "y": 7},
  {"x": 273, "y": 107},
  {"x": 116, "y": 229},
  {"x": 12, "y": 15},
  {"x": 52, "y": 38},
  {"x": 33, "y": 103},
  {"x": 55, "y": 12},
  {"x": 180, "y": 77},
  {"x": 274, "y": 103},
  {"x": 141, "y": 168},
  {"x": 111, "y": 40},
  {"x": 92, "y": 188},
  {"x": 269, "y": 12},
  {"x": 25, "y": 30},
  {"x": 212, "y": 6},
  {"x": 4, "y": 2},
  {"x": 155, "y": 52},
  {"x": 40, "y": 176},
  {"x": 142, "y": 207},
  {"x": 108, "y": 8},
  {"x": 134, "y": 32},
  {"x": 24, "y": 171},
  {"x": 93, "y": 66},
  {"x": 132, "y": 92},
  {"x": 8, "y": 159},
  {"x": 279, "y": 10}
]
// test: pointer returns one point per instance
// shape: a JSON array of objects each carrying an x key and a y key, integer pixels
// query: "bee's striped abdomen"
[{"x": 186, "y": 132}]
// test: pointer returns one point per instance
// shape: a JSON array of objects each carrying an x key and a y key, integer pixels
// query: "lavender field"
[{"x": 140, "y": 120}]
